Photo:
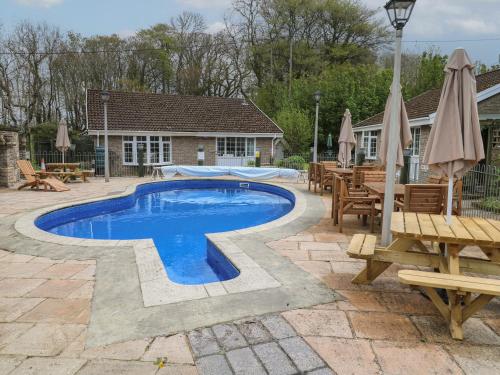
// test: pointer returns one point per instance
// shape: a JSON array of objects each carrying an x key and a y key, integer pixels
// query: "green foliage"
[
  {"x": 43, "y": 137},
  {"x": 429, "y": 75},
  {"x": 251, "y": 163},
  {"x": 297, "y": 128},
  {"x": 293, "y": 162},
  {"x": 491, "y": 204},
  {"x": 361, "y": 88}
]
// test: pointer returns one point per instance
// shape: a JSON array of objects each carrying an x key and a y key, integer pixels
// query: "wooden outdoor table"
[
  {"x": 378, "y": 188},
  {"x": 339, "y": 171},
  {"x": 54, "y": 167},
  {"x": 409, "y": 229},
  {"x": 66, "y": 176}
]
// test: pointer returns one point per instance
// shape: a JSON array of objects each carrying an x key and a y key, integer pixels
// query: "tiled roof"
[
  {"x": 427, "y": 103},
  {"x": 134, "y": 111}
]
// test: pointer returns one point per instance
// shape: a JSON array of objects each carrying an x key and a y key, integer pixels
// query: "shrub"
[
  {"x": 293, "y": 162},
  {"x": 491, "y": 204}
]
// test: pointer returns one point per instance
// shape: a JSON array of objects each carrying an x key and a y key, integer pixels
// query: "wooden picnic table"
[
  {"x": 409, "y": 230},
  {"x": 62, "y": 167},
  {"x": 378, "y": 188},
  {"x": 339, "y": 171},
  {"x": 68, "y": 176}
]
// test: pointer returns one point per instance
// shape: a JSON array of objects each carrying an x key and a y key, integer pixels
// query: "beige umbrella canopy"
[
  {"x": 455, "y": 144},
  {"x": 455, "y": 139},
  {"x": 62, "y": 140},
  {"x": 346, "y": 139},
  {"x": 405, "y": 132}
]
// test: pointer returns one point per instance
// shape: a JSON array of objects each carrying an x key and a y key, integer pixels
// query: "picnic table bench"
[
  {"x": 66, "y": 172},
  {"x": 409, "y": 230}
]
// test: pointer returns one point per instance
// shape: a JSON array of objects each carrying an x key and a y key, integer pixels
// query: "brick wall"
[
  {"x": 9, "y": 154},
  {"x": 265, "y": 149},
  {"x": 184, "y": 151}
]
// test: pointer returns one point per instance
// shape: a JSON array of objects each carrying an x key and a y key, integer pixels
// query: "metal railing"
[{"x": 480, "y": 191}]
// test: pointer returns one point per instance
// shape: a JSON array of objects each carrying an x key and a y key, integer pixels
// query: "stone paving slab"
[
  {"x": 52, "y": 366},
  {"x": 244, "y": 362},
  {"x": 274, "y": 359},
  {"x": 301, "y": 354}
]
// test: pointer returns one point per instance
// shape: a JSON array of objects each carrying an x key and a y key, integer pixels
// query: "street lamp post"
[
  {"x": 399, "y": 12},
  {"x": 105, "y": 99},
  {"x": 317, "y": 97}
]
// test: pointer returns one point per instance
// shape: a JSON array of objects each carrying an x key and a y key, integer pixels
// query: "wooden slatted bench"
[
  {"x": 459, "y": 290},
  {"x": 362, "y": 246}
]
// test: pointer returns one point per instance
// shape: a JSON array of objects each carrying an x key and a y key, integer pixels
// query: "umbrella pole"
[
  {"x": 63, "y": 157},
  {"x": 450, "y": 193}
]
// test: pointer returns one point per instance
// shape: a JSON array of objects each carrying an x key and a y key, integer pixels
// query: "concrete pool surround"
[
  {"x": 157, "y": 288},
  {"x": 129, "y": 276}
]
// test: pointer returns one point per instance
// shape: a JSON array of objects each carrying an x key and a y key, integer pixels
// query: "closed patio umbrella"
[
  {"x": 346, "y": 139},
  {"x": 62, "y": 140},
  {"x": 329, "y": 141},
  {"x": 405, "y": 132},
  {"x": 455, "y": 144}
]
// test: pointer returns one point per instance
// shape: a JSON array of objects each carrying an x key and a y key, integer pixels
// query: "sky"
[{"x": 455, "y": 21}]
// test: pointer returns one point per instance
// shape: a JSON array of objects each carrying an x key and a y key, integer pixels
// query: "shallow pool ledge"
[{"x": 156, "y": 286}]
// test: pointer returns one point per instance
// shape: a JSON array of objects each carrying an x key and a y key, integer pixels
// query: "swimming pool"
[{"x": 177, "y": 215}]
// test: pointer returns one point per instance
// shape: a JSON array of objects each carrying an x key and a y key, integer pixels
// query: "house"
[
  {"x": 421, "y": 112},
  {"x": 174, "y": 128}
]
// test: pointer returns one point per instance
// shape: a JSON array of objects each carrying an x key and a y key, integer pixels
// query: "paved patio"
[{"x": 46, "y": 304}]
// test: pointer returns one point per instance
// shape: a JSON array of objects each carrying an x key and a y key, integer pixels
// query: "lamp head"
[
  {"x": 399, "y": 12},
  {"x": 105, "y": 96},
  {"x": 317, "y": 96}
]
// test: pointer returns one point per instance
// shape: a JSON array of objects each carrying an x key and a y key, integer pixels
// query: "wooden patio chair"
[
  {"x": 336, "y": 180},
  {"x": 312, "y": 176},
  {"x": 433, "y": 179},
  {"x": 334, "y": 164},
  {"x": 325, "y": 179},
  {"x": 358, "y": 169},
  {"x": 34, "y": 181},
  {"x": 354, "y": 203},
  {"x": 372, "y": 176},
  {"x": 423, "y": 198}
]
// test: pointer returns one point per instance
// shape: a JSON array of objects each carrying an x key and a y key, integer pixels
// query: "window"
[
  {"x": 221, "y": 146},
  {"x": 166, "y": 150},
  {"x": 128, "y": 150},
  {"x": 415, "y": 146},
  {"x": 251, "y": 147},
  {"x": 236, "y": 146},
  {"x": 370, "y": 144},
  {"x": 156, "y": 149}
]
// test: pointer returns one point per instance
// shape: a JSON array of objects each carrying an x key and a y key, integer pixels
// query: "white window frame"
[
  {"x": 248, "y": 153},
  {"x": 415, "y": 146},
  {"x": 369, "y": 135},
  {"x": 162, "y": 140}
]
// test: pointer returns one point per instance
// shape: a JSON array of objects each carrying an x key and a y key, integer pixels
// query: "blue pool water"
[{"x": 176, "y": 215}]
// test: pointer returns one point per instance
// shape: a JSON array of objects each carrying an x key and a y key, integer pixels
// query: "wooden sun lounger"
[{"x": 34, "y": 181}]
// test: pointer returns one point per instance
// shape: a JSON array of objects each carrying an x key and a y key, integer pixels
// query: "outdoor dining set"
[
  {"x": 423, "y": 225},
  {"x": 421, "y": 237}
]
